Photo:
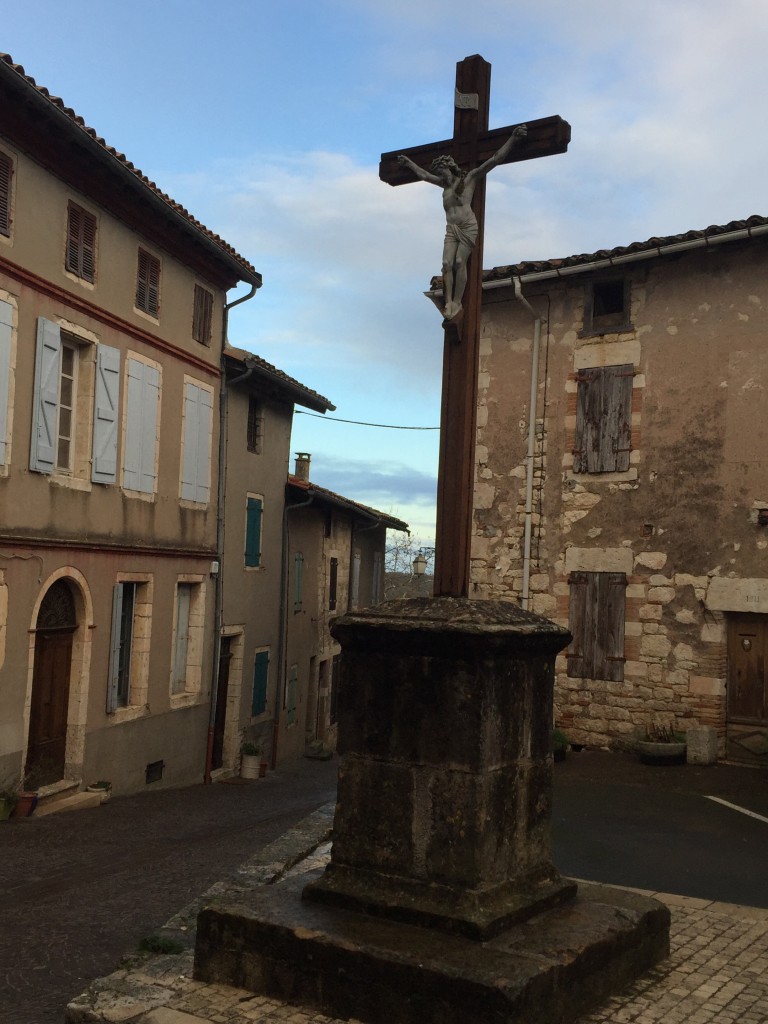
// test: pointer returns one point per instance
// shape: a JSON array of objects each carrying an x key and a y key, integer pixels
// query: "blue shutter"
[
  {"x": 141, "y": 426},
  {"x": 6, "y": 314},
  {"x": 254, "y": 510},
  {"x": 45, "y": 401},
  {"x": 104, "y": 467},
  {"x": 260, "y": 678},
  {"x": 196, "y": 463},
  {"x": 114, "y": 648}
]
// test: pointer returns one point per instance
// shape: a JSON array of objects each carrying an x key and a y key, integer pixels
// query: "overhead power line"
[{"x": 360, "y": 423}]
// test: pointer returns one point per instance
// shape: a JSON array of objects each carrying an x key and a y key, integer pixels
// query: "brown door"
[
  {"x": 50, "y": 700},
  {"x": 220, "y": 721},
  {"x": 747, "y": 700}
]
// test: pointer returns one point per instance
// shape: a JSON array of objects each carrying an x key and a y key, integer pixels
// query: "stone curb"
[{"x": 145, "y": 982}]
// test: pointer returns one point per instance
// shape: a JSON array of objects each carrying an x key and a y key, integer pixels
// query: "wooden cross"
[{"x": 471, "y": 145}]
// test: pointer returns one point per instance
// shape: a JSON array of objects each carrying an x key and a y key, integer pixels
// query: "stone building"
[{"x": 622, "y": 478}]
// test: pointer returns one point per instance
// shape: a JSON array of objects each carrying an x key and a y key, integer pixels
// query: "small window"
[
  {"x": 188, "y": 638},
  {"x": 603, "y": 419},
  {"x": 354, "y": 586},
  {"x": 333, "y": 584},
  {"x": 607, "y": 306},
  {"x": 255, "y": 425},
  {"x": 123, "y": 611},
  {"x": 80, "y": 258},
  {"x": 148, "y": 283},
  {"x": 335, "y": 680},
  {"x": 6, "y": 177},
  {"x": 596, "y": 620},
  {"x": 67, "y": 409},
  {"x": 181, "y": 646},
  {"x": 298, "y": 581},
  {"x": 254, "y": 511},
  {"x": 202, "y": 315},
  {"x": 260, "y": 679}
]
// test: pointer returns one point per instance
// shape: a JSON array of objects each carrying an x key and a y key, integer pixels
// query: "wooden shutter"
[
  {"x": 148, "y": 283},
  {"x": 603, "y": 419},
  {"x": 6, "y": 329},
  {"x": 114, "y": 648},
  {"x": 105, "y": 420},
  {"x": 577, "y": 623},
  {"x": 196, "y": 462},
  {"x": 202, "y": 315},
  {"x": 140, "y": 443},
  {"x": 260, "y": 680},
  {"x": 6, "y": 174},
  {"x": 181, "y": 652},
  {"x": 253, "y": 515},
  {"x": 354, "y": 596},
  {"x": 610, "y": 602},
  {"x": 333, "y": 584},
  {"x": 81, "y": 243},
  {"x": 298, "y": 581},
  {"x": 45, "y": 402}
]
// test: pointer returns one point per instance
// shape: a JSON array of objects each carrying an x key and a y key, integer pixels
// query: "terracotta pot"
[
  {"x": 263, "y": 769},
  {"x": 25, "y": 805}
]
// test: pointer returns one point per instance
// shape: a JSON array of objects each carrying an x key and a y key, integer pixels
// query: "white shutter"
[
  {"x": 104, "y": 469},
  {"x": 46, "y": 397},
  {"x": 6, "y": 313},
  {"x": 141, "y": 426},
  {"x": 196, "y": 461},
  {"x": 114, "y": 647}
]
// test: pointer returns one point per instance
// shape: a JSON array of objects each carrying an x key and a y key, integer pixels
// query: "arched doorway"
[{"x": 56, "y": 625}]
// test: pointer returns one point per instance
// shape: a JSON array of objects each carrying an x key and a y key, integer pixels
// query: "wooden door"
[
  {"x": 220, "y": 720},
  {"x": 50, "y": 701},
  {"x": 747, "y": 692}
]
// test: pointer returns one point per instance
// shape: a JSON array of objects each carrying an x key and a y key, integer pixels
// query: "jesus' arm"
[
  {"x": 518, "y": 132},
  {"x": 419, "y": 171}
]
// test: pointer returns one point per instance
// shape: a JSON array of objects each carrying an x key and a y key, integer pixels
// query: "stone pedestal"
[
  {"x": 441, "y": 902},
  {"x": 701, "y": 744}
]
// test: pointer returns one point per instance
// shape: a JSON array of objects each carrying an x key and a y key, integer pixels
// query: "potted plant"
[
  {"x": 559, "y": 744},
  {"x": 101, "y": 786},
  {"x": 8, "y": 799},
  {"x": 662, "y": 745},
  {"x": 250, "y": 759},
  {"x": 28, "y": 794}
]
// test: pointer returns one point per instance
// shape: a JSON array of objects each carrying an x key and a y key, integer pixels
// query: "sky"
[{"x": 267, "y": 119}]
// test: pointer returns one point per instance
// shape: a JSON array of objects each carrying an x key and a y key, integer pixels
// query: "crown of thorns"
[{"x": 446, "y": 161}]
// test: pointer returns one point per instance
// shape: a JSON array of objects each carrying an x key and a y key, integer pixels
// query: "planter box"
[{"x": 661, "y": 753}]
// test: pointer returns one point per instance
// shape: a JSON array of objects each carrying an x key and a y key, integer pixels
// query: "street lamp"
[{"x": 419, "y": 564}]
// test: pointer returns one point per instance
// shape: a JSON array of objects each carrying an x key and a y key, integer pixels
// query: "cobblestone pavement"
[
  {"x": 717, "y": 972},
  {"x": 78, "y": 889}
]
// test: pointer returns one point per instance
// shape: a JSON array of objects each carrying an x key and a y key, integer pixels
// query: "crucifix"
[{"x": 451, "y": 164}]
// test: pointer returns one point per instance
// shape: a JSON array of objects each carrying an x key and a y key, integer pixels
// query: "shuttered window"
[
  {"x": 80, "y": 258},
  {"x": 45, "y": 402},
  {"x": 181, "y": 640},
  {"x": 121, "y": 650},
  {"x": 298, "y": 581},
  {"x": 6, "y": 176},
  {"x": 603, "y": 419},
  {"x": 202, "y": 315},
  {"x": 253, "y": 516},
  {"x": 596, "y": 620},
  {"x": 148, "y": 283},
  {"x": 141, "y": 416},
  {"x": 260, "y": 680},
  {"x": 196, "y": 456},
  {"x": 333, "y": 584},
  {"x": 105, "y": 415},
  {"x": 255, "y": 425},
  {"x": 6, "y": 337}
]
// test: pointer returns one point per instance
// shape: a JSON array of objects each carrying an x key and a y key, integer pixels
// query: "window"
[
  {"x": 80, "y": 256},
  {"x": 596, "y": 620},
  {"x": 354, "y": 586},
  {"x": 253, "y": 521},
  {"x": 255, "y": 425},
  {"x": 142, "y": 412},
  {"x": 291, "y": 694},
  {"x": 333, "y": 584},
  {"x": 65, "y": 427},
  {"x": 202, "y": 315},
  {"x": 6, "y": 176},
  {"x": 196, "y": 451},
  {"x": 129, "y": 646},
  {"x": 186, "y": 673},
  {"x": 378, "y": 578},
  {"x": 606, "y": 307},
  {"x": 6, "y": 340},
  {"x": 260, "y": 680},
  {"x": 298, "y": 581},
  {"x": 148, "y": 284},
  {"x": 603, "y": 419},
  {"x": 335, "y": 680}
]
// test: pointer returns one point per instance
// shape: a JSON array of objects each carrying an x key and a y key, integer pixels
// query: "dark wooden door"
[
  {"x": 220, "y": 721},
  {"x": 747, "y": 691},
  {"x": 50, "y": 700}
]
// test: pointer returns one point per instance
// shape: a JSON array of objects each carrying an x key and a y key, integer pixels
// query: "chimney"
[{"x": 303, "y": 460}]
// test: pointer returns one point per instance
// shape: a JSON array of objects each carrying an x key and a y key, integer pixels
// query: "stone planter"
[
  {"x": 650, "y": 752},
  {"x": 250, "y": 766}
]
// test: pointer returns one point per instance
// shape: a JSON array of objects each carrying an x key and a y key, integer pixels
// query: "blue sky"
[{"x": 267, "y": 120}]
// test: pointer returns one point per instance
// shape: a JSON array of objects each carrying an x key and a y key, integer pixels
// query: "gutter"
[
  {"x": 525, "y": 593},
  {"x": 220, "y": 499}
]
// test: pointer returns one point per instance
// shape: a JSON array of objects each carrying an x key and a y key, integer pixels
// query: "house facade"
[
  {"x": 112, "y": 320},
  {"x": 622, "y": 478},
  {"x": 335, "y": 563}
]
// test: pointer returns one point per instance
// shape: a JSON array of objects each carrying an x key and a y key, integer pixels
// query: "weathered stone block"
[{"x": 701, "y": 743}]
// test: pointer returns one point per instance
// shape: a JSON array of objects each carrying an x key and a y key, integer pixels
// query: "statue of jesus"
[{"x": 461, "y": 224}]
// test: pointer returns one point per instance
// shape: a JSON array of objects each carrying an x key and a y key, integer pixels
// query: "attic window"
[
  {"x": 255, "y": 436},
  {"x": 202, "y": 315},
  {"x": 148, "y": 283},
  {"x": 80, "y": 258},
  {"x": 6, "y": 173},
  {"x": 607, "y": 306}
]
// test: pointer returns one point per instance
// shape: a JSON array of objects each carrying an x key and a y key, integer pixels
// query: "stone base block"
[
  {"x": 701, "y": 744},
  {"x": 549, "y": 969}
]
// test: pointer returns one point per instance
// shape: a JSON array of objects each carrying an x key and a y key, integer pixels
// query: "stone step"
[{"x": 75, "y": 802}]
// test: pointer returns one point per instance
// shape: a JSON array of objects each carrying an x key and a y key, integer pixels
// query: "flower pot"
[
  {"x": 262, "y": 769},
  {"x": 6, "y": 808},
  {"x": 661, "y": 753},
  {"x": 249, "y": 766},
  {"x": 25, "y": 805},
  {"x": 105, "y": 788}
]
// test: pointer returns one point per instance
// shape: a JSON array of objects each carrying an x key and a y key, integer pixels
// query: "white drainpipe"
[{"x": 524, "y": 596}]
